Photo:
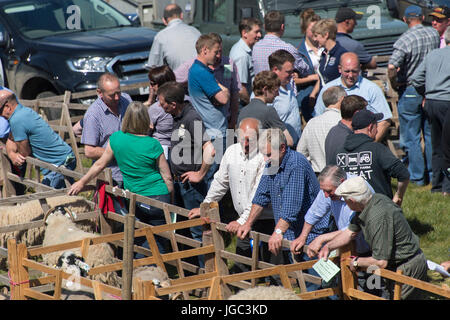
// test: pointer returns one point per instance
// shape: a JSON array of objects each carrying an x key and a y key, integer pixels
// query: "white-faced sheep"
[
  {"x": 32, "y": 211},
  {"x": 61, "y": 229},
  {"x": 265, "y": 293}
]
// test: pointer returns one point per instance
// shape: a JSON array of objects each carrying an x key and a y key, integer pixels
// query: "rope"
[{"x": 14, "y": 284}]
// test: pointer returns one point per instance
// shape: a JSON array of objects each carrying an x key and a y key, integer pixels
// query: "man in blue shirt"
[
  {"x": 353, "y": 83},
  {"x": 207, "y": 95},
  {"x": 32, "y": 136},
  {"x": 290, "y": 185}
]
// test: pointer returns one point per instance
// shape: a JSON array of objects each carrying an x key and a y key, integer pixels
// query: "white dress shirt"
[
  {"x": 241, "y": 174},
  {"x": 312, "y": 141}
]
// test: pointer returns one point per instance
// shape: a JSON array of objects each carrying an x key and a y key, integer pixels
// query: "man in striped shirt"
[
  {"x": 409, "y": 50},
  {"x": 274, "y": 27}
]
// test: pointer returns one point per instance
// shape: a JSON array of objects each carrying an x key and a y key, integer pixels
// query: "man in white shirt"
[
  {"x": 174, "y": 44},
  {"x": 312, "y": 141},
  {"x": 240, "y": 170}
]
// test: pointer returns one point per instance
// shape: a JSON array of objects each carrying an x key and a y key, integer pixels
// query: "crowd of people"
[{"x": 215, "y": 124}]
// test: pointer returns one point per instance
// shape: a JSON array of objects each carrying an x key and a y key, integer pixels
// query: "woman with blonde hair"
[
  {"x": 142, "y": 162},
  {"x": 310, "y": 52},
  {"x": 324, "y": 32}
]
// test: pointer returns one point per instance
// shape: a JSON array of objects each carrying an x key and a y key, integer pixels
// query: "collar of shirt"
[
  {"x": 244, "y": 46},
  {"x": 106, "y": 109},
  {"x": 183, "y": 112},
  {"x": 174, "y": 22},
  {"x": 343, "y": 34},
  {"x": 286, "y": 157},
  {"x": 196, "y": 61},
  {"x": 356, "y": 85},
  {"x": 248, "y": 157}
]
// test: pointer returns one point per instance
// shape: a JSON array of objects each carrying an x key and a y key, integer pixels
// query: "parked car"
[{"x": 49, "y": 46}]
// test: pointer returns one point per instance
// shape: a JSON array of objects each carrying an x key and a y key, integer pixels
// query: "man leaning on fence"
[
  {"x": 31, "y": 136},
  {"x": 394, "y": 245}
]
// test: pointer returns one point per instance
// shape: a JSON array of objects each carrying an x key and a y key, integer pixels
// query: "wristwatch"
[
  {"x": 278, "y": 231},
  {"x": 355, "y": 262}
]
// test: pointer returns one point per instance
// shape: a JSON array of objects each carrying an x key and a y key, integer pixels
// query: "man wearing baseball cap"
[
  {"x": 409, "y": 51},
  {"x": 394, "y": 245},
  {"x": 440, "y": 21},
  {"x": 362, "y": 156},
  {"x": 346, "y": 22}
]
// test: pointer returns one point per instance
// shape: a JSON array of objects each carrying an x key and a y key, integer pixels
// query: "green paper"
[{"x": 326, "y": 269}]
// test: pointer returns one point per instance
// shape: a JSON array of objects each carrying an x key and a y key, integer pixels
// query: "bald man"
[
  {"x": 31, "y": 136},
  {"x": 240, "y": 170},
  {"x": 353, "y": 83},
  {"x": 175, "y": 44}
]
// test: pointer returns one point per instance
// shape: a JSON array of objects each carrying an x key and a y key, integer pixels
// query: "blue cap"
[
  {"x": 4, "y": 128},
  {"x": 413, "y": 12}
]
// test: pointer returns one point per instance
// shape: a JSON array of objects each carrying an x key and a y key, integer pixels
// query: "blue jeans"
[
  {"x": 190, "y": 196},
  {"x": 55, "y": 179},
  {"x": 153, "y": 216},
  {"x": 412, "y": 122}
]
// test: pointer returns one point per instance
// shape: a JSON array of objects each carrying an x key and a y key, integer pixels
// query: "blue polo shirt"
[
  {"x": 329, "y": 63},
  {"x": 46, "y": 144},
  {"x": 202, "y": 86}
]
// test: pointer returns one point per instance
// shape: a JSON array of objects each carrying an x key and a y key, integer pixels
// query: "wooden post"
[
  {"x": 65, "y": 120},
  {"x": 128, "y": 252},
  {"x": 207, "y": 239},
  {"x": 255, "y": 254},
  {"x": 219, "y": 246},
  {"x": 348, "y": 278},
  {"x": 8, "y": 187},
  {"x": 398, "y": 288}
]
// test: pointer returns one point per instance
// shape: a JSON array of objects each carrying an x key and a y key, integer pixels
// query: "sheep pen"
[{"x": 32, "y": 211}]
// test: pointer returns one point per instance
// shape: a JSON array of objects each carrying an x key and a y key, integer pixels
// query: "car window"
[
  {"x": 216, "y": 11},
  {"x": 41, "y": 18},
  {"x": 245, "y": 8}
]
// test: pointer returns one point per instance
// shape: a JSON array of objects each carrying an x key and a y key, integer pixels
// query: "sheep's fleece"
[
  {"x": 265, "y": 293},
  {"x": 61, "y": 229}
]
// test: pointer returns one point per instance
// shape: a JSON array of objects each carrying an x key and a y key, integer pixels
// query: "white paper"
[
  {"x": 437, "y": 267},
  {"x": 326, "y": 269}
]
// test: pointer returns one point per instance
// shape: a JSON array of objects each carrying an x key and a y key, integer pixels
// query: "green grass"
[{"x": 428, "y": 215}]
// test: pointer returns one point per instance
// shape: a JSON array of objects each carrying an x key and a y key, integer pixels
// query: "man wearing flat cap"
[
  {"x": 394, "y": 245},
  {"x": 361, "y": 156},
  {"x": 440, "y": 21},
  {"x": 346, "y": 23},
  {"x": 409, "y": 51}
]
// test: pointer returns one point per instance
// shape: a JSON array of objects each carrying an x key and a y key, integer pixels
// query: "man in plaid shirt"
[
  {"x": 290, "y": 186},
  {"x": 409, "y": 50},
  {"x": 274, "y": 27}
]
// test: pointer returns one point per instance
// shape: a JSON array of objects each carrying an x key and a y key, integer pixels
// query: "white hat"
[{"x": 352, "y": 187}]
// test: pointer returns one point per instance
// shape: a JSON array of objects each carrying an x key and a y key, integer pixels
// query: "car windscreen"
[
  {"x": 41, "y": 18},
  {"x": 298, "y": 5}
]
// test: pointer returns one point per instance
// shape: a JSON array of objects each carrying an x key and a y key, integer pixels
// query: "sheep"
[
  {"x": 158, "y": 276},
  {"x": 32, "y": 211},
  {"x": 61, "y": 229},
  {"x": 265, "y": 293}
]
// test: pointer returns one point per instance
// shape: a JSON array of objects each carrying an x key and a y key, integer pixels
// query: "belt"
[
  {"x": 177, "y": 178},
  {"x": 398, "y": 264}
]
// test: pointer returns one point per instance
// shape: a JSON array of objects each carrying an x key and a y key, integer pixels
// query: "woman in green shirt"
[{"x": 142, "y": 162}]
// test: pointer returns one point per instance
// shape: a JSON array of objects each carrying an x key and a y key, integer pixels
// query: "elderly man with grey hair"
[
  {"x": 312, "y": 140},
  {"x": 394, "y": 245},
  {"x": 240, "y": 171}
]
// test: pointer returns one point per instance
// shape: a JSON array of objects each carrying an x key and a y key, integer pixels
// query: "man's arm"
[
  {"x": 382, "y": 128},
  {"x": 223, "y": 96},
  {"x": 93, "y": 152},
  {"x": 247, "y": 226},
  {"x": 13, "y": 153},
  {"x": 342, "y": 239},
  {"x": 276, "y": 239},
  {"x": 208, "y": 158}
]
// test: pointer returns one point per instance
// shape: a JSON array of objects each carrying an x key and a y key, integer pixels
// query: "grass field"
[{"x": 429, "y": 217}]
